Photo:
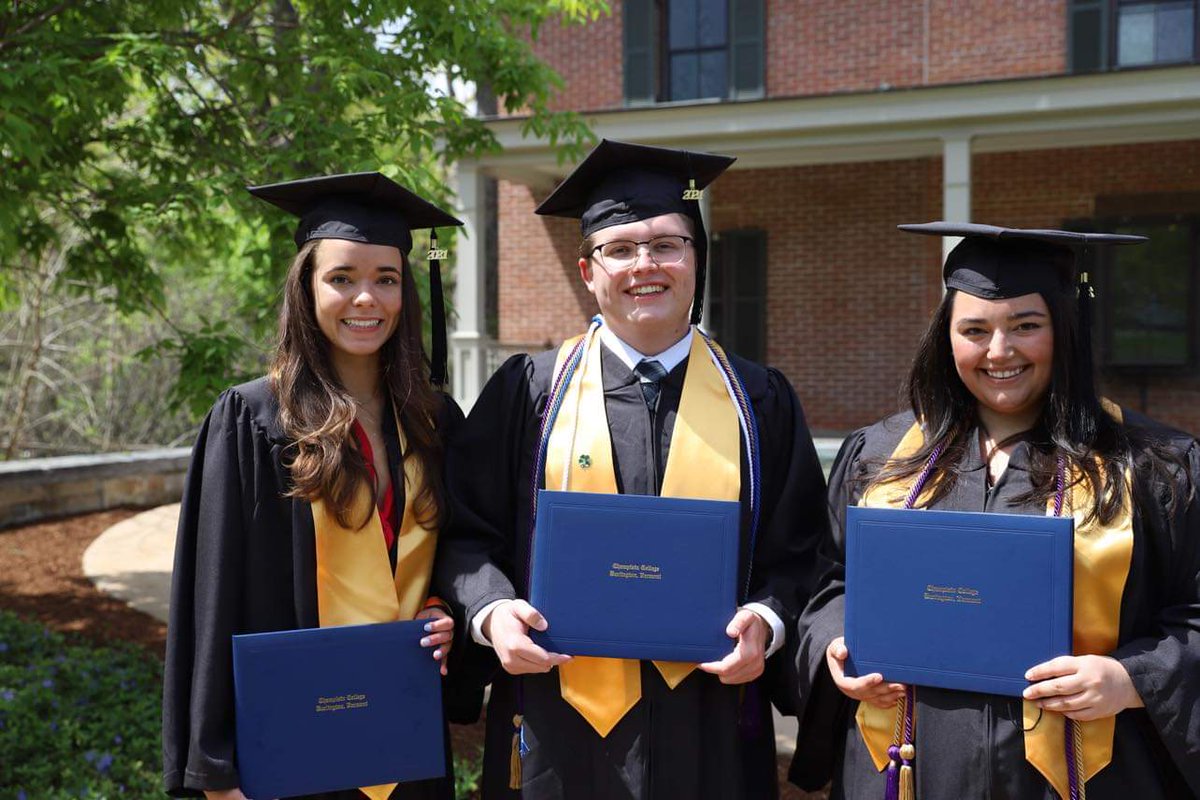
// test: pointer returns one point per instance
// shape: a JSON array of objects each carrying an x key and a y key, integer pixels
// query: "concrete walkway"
[{"x": 132, "y": 560}]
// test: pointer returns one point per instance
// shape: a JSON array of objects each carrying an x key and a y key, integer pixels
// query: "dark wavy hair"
[
  {"x": 1097, "y": 449},
  {"x": 316, "y": 411}
]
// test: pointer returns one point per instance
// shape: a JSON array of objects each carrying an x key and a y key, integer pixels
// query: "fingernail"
[
  {"x": 437, "y": 653},
  {"x": 428, "y": 627},
  {"x": 425, "y": 641}
]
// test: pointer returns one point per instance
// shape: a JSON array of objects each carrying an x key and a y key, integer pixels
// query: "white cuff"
[
  {"x": 772, "y": 619},
  {"x": 478, "y": 620}
]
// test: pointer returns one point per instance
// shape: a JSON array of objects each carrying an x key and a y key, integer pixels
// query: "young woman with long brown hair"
[{"x": 315, "y": 493}]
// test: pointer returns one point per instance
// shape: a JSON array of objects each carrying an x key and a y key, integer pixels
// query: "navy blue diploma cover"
[
  {"x": 960, "y": 600},
  {"x": 633, "y": 576},
  {"x": 321, "y": 709}
]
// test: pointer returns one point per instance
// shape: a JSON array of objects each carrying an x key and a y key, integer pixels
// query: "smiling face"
[
  {"x": 356, "y": 291},
  {"x": 647, "y": 305},
  {"x": 1004, "y": 354}
]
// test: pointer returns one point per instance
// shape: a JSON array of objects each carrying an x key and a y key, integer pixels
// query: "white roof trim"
[{"x": 1063, "y": 111}]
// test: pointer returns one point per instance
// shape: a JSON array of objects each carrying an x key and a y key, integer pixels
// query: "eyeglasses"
[{"x": 620, "y": 255}]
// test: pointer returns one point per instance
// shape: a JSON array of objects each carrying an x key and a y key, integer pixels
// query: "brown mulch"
[{"x": 41, "y": 578}]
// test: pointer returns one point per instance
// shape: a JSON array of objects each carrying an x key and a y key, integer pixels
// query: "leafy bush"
[
  {"x": 76, "y": 720},
  {"x": 81, "y": 721}
]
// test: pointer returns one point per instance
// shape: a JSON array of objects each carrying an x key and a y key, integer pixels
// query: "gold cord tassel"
[
  {"x": 514, "y": 758},
  {"x": 907, "y": 788}
]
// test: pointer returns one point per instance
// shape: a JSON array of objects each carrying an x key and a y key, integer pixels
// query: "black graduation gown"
[
  {"x": 245, "y": 562},
  {"x": 971, "y": 745},
  {"x": 699, "y": 740}
]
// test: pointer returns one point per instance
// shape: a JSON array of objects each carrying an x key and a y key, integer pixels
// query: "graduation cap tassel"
[
  {"x": 1086, "y": 294},
  {"x": 698, "y": 302},
  {"x": 437, "y": 310}
]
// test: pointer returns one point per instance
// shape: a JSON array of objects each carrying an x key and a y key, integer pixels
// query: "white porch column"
[
  {"x": 469, "y": 341},
  {"x": 956, "y": 184}
]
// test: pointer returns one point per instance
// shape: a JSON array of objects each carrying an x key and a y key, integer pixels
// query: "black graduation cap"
[
  {"x": 621, "y": 182},
  {"x": 371, "y": 208},
  {"x": 996, "y": 263}
]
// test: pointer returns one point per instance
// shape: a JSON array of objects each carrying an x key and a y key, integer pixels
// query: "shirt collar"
[{"x": 669, "y": 358}]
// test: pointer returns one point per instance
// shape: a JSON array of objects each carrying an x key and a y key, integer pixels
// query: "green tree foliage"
[{"x": 129, "y": 127}]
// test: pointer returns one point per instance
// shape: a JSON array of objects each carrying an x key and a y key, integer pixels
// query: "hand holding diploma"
[
  {"x": 440, "y": 628},
  {"x": 747, "y": 660},
  {"x": 1082, "y": 687},
  {"x": 507, "y": 628},
  {"x": 867, "y": 688}
]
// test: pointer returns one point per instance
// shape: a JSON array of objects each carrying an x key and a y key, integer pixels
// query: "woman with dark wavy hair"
[
  {"x": 1004, "y": 417},
  {"x": 315, "y": 493}
]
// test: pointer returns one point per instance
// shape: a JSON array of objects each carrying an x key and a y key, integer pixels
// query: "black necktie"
[{"x": 651, "y": 373}]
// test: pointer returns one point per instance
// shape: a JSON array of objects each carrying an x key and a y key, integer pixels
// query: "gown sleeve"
[
  {"x": 819, "y": 704},
  {"x": 793, "y": 523},
  {"x": 1165, "y": 668},
  {"x": 475, "y": 562},
  {"x": 467, "y": 668},
  {"x": 198, "y": 716}
]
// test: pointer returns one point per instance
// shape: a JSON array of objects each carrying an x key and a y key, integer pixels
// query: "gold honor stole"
[
  {"x": 703, "y": 462},
  {"x": 355, "y": 582},
  {"x": 1102, "y": 557}
]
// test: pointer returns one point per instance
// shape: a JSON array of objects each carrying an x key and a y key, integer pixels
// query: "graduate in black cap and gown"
[
  {"x": 1005, "y": 418},
  {"x": 612, "y": 728},
  {"x": 314, "y": 496}
]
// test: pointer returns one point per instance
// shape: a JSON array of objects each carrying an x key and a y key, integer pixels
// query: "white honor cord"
[{"x": 744, "y": 423}]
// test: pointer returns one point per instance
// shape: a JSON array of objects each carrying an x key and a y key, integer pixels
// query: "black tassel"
[{"x": 437, "y": 313}]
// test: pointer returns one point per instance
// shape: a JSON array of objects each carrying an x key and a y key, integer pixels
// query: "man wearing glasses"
[{"x": 611, "y": 728}]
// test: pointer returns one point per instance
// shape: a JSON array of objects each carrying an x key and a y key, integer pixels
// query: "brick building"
[{"x": 847, "y": 118}]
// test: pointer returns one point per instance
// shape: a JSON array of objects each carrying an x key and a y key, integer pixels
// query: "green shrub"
[
  {"x": 76, "y": 720},
  {"x": 82, "y": 721}
]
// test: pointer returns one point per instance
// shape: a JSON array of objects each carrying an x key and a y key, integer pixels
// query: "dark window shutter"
[
  {"x": 640, "y": 23},
  {"x": 738, "y": 293},
  {"x": 747, "y": 46},
  {"x": 1087, "y": 35}
]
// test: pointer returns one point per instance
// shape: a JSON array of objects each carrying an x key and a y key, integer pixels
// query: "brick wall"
[
  {"x": 974, "y": 40},
  {"x": 822, "y": 47},
  {"x": 825, "y": 46},
  {"x": 589, "y": 59},
  {"x": 847, "y": 295},
  {"x": 542, "y": 298},
  {"x": 819, "y": 47}
]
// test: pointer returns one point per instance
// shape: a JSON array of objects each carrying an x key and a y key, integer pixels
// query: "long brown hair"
[
  {"x": 1073, "y": 424},
  {"x": 316, "y": 411}
]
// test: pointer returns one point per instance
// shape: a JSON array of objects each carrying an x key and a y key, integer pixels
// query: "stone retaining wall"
[{"x": 38, "y": 488}]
